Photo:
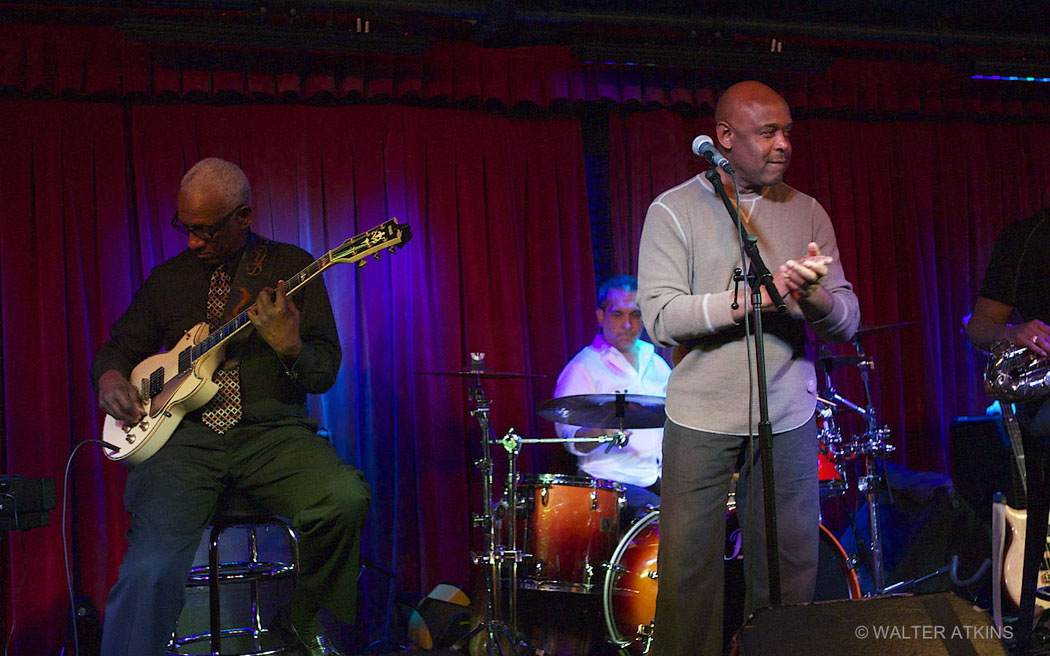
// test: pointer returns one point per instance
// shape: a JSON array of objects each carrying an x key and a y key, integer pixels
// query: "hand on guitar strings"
[
  {"x": 276, "y": 319},
  {"x": 119, "y": 398}
]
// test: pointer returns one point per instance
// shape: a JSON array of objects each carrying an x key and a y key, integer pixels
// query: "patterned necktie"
[{"x": 224, "y": 410}]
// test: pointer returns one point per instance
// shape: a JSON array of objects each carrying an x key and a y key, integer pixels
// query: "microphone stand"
[{"x": 759, "y": 276}]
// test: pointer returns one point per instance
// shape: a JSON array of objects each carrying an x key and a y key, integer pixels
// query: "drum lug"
[
  {"x": 543, "y": 495},
  {"x": 594, "y": 498},
  {"x": 645, "y": 636},
  {"x": 654, "y": 575}
]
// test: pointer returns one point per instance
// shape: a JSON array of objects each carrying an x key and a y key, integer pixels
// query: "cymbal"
[
  {"x": 600, "y": 410},
  {"x": 481, "y": 372},
  {"x": 871, "y": 330}
]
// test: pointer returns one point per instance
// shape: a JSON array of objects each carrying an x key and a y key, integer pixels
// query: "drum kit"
[{"x": 563, "y": 532}]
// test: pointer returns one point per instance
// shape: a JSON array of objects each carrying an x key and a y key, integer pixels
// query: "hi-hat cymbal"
[
  {"x": 480, "y": 372},
  {"x": 871, "y": 330},
  {"x": 602, "y": 411}
]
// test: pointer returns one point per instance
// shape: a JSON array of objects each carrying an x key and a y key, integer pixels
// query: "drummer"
[{"x": 617, "y": 361}]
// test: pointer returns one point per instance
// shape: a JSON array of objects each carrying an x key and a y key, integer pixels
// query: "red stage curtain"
[
  {"x": 915, "y": 212},
  {"x": 100, "y": 62},
  {"x": 500, "y": 263}
]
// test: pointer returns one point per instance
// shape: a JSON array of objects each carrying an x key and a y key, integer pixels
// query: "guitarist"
[
  {"x": 1018, "y": 280},
  {"x": 253, "y": 435}
]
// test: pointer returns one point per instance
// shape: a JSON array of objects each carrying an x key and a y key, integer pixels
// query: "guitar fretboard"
[{"x": 190, "y": 355}]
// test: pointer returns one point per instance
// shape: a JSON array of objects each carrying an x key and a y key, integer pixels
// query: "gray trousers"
[
  {"x": 697, "y": 471},
  {"x": 286, "y": 469}
]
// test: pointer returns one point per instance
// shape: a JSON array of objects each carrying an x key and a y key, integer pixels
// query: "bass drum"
[{"x": 629, "y": 594}]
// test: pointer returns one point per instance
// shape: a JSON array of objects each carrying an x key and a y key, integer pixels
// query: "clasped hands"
[{"x": 800, "y": 277}]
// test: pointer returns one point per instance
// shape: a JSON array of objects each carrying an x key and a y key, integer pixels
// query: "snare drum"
[
  {"x": 571, "y": 528},
  {"x": 629, "y": 593}
]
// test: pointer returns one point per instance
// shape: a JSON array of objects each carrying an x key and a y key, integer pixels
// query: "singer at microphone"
[
  {"x": 704, "y": 147},
  {"x": 686, "y": 260}
]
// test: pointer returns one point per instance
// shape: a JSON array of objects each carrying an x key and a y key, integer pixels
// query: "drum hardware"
[
  {"x": 645, "y": 636},
  {"x": 495, "y": 554},
  {"x": 871, "y": 445}
]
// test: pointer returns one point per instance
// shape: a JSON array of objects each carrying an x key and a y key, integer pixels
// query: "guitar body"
[
  {"x": 1013, "y": 560},
  {"x": 180, "y": 394}
]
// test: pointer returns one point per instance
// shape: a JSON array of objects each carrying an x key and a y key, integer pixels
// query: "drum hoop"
[
  {"x": 842, "y": 558},
  {"x": 852, "y": 581},
  {"x": 543, "y": 480},
  {"x": 637, "y": 527}
]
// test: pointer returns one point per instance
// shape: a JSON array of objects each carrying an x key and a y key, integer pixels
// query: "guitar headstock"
[{"x": 388, "y": 235}]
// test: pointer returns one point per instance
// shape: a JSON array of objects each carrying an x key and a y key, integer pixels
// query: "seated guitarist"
[
  {"x": 1018, "y": 281},
  {"x": 253, "y": 435}
]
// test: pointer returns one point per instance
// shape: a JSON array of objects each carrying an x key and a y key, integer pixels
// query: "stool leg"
[
  {"x": 253, "y": 585},
  {"x": 215, "y": 617}
]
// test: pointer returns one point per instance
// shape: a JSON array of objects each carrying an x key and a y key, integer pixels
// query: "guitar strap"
[{"x": 252, "y": 274}]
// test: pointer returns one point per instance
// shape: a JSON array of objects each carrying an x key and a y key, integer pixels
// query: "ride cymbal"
[
  {"x": 483, "y": 372},
  {"x": 605, "y": 410}
]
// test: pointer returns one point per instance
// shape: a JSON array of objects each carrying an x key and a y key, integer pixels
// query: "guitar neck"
[
  {"x": 239, "y": 322},
  {"x": 386, "y": 236}
]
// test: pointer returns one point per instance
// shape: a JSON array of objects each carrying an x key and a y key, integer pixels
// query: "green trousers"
[{"x": 284, "y": 468}]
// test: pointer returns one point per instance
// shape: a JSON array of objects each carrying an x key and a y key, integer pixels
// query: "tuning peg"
[
  {"x": 361, "y": 263},
  {"x": 375, "y": 255},
  {"x": 391, "y": 249}
]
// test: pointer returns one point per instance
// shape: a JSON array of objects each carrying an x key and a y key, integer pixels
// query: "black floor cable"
[{"x": 65, "y": 542}]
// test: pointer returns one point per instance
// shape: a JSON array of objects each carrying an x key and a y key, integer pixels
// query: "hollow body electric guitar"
[{"x": 173, "y": 383}]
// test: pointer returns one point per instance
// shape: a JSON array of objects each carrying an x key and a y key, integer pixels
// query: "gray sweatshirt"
[{"x": 688, "y": 251}]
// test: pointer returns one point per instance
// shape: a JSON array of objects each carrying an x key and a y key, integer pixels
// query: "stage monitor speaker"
[
  {"x": 931, "y": 625},
  {"x": 981, "y": 462}
]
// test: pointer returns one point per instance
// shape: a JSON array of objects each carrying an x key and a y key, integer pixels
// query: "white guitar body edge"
[
  {"x": 139, "y": 441},
  {"x": 1013, "y": 558}
]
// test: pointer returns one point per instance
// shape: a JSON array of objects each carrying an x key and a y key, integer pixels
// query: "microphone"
[{"x": 704, "y": 147}]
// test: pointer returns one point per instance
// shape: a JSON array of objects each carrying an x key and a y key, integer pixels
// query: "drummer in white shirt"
[{"x": 617, "y": 361}]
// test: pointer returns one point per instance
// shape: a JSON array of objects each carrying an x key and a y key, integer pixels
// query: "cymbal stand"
[
  {"x": 873, "y": 447},
  {"x": 493, "y": 556},
  {"x": 512, "y": 444}
]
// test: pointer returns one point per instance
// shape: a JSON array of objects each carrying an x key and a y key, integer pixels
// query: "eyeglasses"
[{"x": 205, "y": 233}]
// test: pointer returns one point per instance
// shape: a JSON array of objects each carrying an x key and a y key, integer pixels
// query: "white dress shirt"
[{"x": 602, "y": 369}]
